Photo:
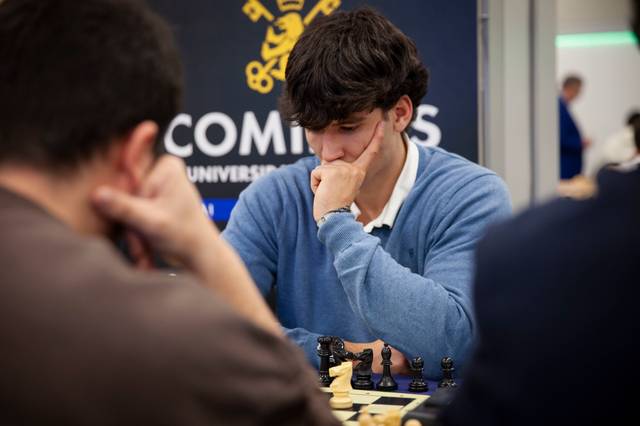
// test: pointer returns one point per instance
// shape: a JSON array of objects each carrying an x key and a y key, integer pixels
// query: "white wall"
[
  {"x": 521, "y": 78},
  {"x": 611, "y": 76},
  {"x": 519, "y": 100},
  {"x": 611, "y": 73}
]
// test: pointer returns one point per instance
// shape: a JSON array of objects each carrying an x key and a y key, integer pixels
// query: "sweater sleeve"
[
  {"x": 252, "y": 233},
  {"x": 425, "y": 315},
  {"x": 307, "y": 341}
]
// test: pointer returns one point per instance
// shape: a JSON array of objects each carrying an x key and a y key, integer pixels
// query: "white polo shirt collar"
[{"x": 405, "y": 182}]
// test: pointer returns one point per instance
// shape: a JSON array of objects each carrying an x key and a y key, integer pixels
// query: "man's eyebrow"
[{"x": 351, "y": 120}]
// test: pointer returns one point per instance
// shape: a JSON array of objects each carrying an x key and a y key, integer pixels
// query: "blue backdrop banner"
[{"x": 230, "y": 132}]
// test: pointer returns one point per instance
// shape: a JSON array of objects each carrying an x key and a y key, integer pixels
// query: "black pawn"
[
  {"x": 386, "y": 383},
  {"x": 323, "y": 351},
  {"x": 447, "y": 373},
  {"x": 417, "y": 382}
]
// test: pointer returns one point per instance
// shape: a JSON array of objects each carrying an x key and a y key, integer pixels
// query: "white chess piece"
[
  {"x": 393, "y": 418},
  {"x": 365, "y": 419},
  {"x": 341, "y": 385},
  {"x": 390, "y": 418}
]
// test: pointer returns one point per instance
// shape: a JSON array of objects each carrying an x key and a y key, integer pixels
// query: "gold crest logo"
[{"x": 282, "y": 34}]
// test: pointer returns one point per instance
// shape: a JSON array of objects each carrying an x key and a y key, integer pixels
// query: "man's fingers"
[
  {"x": 316, "y": 177},
  {"x": 123, "y": 208},
  {"x": 167, "y": 166},
  {"x": 371, "y": 151},
  {"x": 139, "y": 250}
]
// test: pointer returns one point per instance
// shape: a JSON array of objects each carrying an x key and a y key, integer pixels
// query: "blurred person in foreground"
[
  {"x": 556, "y": 296},
  {"x": 87, "y": 338}
]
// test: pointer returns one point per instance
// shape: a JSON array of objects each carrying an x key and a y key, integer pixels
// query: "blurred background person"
[
  {"x": 571, "y": 141},
  {"x": 619, "y": 147},
  {"x": 634, "y": 160}
]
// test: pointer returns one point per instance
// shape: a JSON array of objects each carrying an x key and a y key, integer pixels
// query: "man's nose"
[{"x": 331, "y": 150}]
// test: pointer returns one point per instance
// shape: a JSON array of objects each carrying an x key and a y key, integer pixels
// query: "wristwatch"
[{"x": 325, "y": 216}]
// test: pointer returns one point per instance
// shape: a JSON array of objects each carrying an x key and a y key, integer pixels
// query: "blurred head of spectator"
[{"x": 571, "y": 88}]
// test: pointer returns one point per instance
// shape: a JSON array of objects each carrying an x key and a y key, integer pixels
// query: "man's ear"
[
  {"x": 402, "y": 113},
  {"x": 137, "y": 154}
]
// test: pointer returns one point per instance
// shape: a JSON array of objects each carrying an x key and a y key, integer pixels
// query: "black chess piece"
[
  {"x": 417, "y": 382},
  {"x": 324, "y": 352},
  {"x": 447, "y": 373},
  {"x": 386, "y": 383},
  {"x": 363, "y": 374},
  {"x": 338, "y": 352}
]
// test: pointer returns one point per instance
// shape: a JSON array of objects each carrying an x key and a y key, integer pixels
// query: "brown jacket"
[{"x": 86, "y": 339}]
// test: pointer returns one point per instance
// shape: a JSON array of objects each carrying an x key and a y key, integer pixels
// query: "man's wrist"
[
  {"x": 197, "y": 250},
  {"x": 324, "y": 217}
]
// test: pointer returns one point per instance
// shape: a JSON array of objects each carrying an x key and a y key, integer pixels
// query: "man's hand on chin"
[
  {"x": 168, "y": 217},
  {"x": 165, "y": 215},
  {"x": 336, "y": 184}
]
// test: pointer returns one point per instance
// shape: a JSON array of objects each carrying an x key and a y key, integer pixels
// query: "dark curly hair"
[
  {"x": 349, "y": 62},
  {"x": 76, "y": 74}
]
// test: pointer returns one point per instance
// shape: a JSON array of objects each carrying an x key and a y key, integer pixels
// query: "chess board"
[{"x": 377, "y": 402}]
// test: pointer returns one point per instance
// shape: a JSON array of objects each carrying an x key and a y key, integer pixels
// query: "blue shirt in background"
[{"x": 570, "y": 143}]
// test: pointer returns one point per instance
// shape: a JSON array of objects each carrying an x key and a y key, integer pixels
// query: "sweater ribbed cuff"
[{"x": 339, "y": 231}]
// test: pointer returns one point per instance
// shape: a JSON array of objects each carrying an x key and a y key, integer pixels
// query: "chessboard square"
[
  {"x": 353, "y": 418},
  {"x": 344, "y": 415},
  {"x": 364, "y": 399},
  {"x": 381, "y": 409},
  {"x": 357, "y": 406},
  {"x": 390, "y": 400}
]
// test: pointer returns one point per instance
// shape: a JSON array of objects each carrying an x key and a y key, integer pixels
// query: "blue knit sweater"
[{"x": 409, "y": 285}]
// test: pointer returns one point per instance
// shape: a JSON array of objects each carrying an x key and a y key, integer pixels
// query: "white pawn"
[
  {"x": 341, "y": 385},
  {"x": 365, "y": 418},
  {"x": 390, "y": 418}
]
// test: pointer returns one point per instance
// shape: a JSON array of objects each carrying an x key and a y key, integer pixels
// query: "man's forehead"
[
  {"x": 356, "y": 117},
  {"x": 353, "y": 118}
]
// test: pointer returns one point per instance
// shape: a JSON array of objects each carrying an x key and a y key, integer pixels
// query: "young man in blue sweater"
[{"x": 372, "y": 239}]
